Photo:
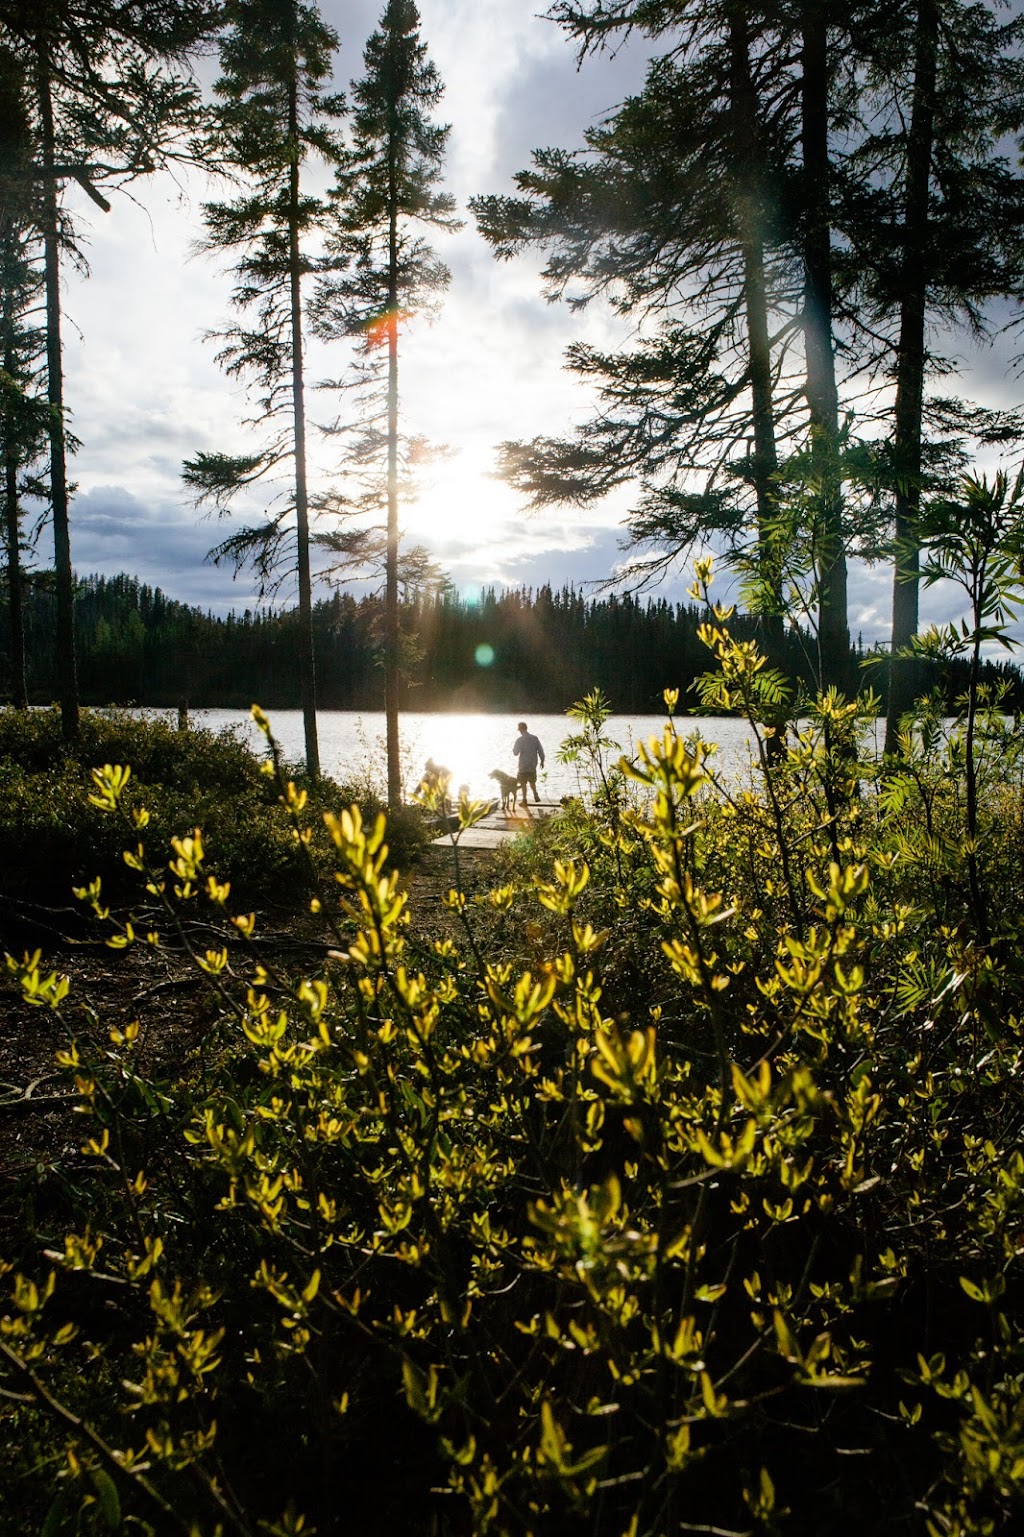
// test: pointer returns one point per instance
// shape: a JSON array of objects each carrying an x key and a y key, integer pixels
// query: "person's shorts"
[{"x": 527, "y": 777}]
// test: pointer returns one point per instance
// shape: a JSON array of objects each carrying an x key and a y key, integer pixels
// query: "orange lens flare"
[{"x": 380, "y": 328}]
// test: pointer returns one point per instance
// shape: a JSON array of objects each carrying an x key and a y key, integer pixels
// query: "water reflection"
[{"x": 470, "y": 745}]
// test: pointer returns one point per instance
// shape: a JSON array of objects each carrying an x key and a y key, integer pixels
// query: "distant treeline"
[{"x": 511, "y": 650}]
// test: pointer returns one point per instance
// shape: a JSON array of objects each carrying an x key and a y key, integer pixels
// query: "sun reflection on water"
[{"x": 470, "y": 744}]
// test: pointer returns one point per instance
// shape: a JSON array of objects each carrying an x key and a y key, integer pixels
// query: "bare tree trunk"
[
  {"x": 12, "y": 526},
  {"x": 19, "y": 681},
  {"x": 910, "y": 366},
  {"x": 391, "y": 629},
  {"x": 822, "y": 394},
  {"x": 66, "y": 653},
  {"x": 978, "y": 901},
  {"x": 307, "y": 661},
  {"x": 750, "y": 219}
]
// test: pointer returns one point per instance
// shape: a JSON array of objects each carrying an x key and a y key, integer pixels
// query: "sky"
[{"x": 145, "y": 392}]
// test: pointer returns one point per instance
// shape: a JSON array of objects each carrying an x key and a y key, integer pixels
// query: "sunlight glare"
[{"x": 459, "y": 509}]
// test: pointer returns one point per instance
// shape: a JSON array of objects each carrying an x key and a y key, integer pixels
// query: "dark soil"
[{"x": 40, "y": 1131}]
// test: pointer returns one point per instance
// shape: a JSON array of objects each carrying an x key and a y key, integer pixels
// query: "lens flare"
[
  {"x": 484, "y": 655},
  {"x": 381, "y": 327}
]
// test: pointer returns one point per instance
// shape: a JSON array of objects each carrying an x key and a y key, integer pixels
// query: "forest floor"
[{"x": 41, "y": 1131}]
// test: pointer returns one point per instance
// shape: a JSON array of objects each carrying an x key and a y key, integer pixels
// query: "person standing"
[{"x": 528, "y": 750}]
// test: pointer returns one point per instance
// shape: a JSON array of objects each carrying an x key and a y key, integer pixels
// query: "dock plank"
[{"x": 500, "y": 826}]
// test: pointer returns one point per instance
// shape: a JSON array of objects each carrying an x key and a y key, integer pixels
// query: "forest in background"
[{"x": 509, "y": 650}]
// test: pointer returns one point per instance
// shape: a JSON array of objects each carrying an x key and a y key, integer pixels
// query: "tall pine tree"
[
  {"x": 109, "y": 97},
  {"x": 276, "y": 59},
  {"x": 702, "y": 204},
  {"x": 898, "y": 201},
  {"x": 384, "y": 270},
  {"x": 931, "y": 207},
  {"x": 24, "y": 416},
  {"x": 813, "y": 208}
]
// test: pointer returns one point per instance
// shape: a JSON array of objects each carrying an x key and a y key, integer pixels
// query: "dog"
[{"x": 508, "y": 784}]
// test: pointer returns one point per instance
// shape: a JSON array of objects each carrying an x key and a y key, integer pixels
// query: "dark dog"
[{"x": 508, "y": 784}]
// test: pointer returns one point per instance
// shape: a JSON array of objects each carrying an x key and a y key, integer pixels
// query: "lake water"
[{"x": 352, "y": 744}]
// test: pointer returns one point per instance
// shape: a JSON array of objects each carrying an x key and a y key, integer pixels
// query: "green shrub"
[
  {"x": 676, "y": 1185},
  {"x": 157, "y": 751},
  {"x": 744, "y": 1255},
  {"x": 52, "y": 836}
]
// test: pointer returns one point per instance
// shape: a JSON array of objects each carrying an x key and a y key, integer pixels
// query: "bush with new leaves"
[
  {"x": 52, "y": 834},
  {"x": 440, "y": 1237}
]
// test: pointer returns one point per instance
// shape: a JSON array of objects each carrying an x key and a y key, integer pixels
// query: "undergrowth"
[
  {"x": 678, "y": 1188},
  {"x": 53, "y": 836}
]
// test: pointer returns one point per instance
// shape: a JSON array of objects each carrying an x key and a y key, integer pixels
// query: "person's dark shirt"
[{"x": 528, "y": 750}]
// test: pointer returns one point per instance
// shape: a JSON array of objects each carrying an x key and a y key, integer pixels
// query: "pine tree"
[
  {"x": 932, "y": 209},
  {"x": 689, "y": 207},
  {"x": 109, "y": 98},
  {"x": 276, "y": 59},
  {"x": 385, "y": 271},
  {"x": 23, "y": 412},
  {"x": 850, "y": 155},
  {"x": 814, "y": 217}
]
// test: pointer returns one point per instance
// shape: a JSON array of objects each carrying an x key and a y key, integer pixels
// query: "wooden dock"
[{"x": 499, "y": 826}]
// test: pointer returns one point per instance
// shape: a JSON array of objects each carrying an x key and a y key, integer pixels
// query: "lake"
[{"x": 470, "y": 745}]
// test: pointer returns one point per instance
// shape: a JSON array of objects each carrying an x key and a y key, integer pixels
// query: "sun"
[{"x": 459, "y": 509}]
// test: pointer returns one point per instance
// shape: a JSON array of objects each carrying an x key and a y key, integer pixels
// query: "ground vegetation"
[
  {"x": 53, "y": 836},
  {"x": 666, "y": 1178}
]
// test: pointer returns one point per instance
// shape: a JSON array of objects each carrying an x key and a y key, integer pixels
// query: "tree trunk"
[
  {"x": 12, "y": 526},
  {"x": 65, "y": 580},
  {"x": 822, "y": 394},
  {"x": 750, "y": 205},
  {"x": 910, "y": 366},
  {"x": 19, "y": 681},
  {"x": 307, "y": 662},
  {"x": 391, "y": 630},
  {"x": 971, "y": 783}
]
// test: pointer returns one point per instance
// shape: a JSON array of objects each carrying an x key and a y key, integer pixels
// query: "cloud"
[
  {"x": 114, "y": 531},
  {"x": 553, "y": 102},
  {"x": 583, "y": 565}
]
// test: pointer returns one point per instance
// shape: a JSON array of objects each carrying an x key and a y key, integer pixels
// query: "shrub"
[
  {"x": 53, "y": 837},
  {"x": 436, "y": 1239},
  {"x": 677, "y": 1186}
]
